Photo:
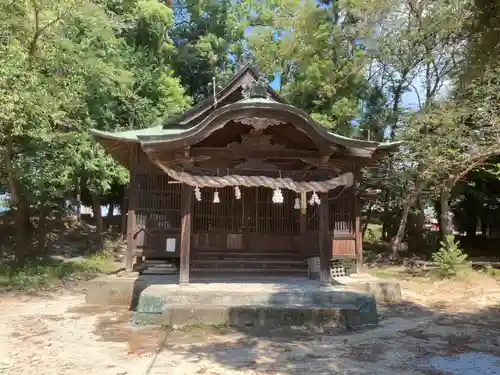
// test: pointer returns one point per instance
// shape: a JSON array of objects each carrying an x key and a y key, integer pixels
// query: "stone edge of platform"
[
  {"x": 125, "y": 290},
  {"x": 342, "y": 317},
  {"x": 111, "y": 290},
  {"x": 384, "y": 291}
]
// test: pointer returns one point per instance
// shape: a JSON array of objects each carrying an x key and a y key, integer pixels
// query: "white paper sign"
[{"x": 170, "y": 245}]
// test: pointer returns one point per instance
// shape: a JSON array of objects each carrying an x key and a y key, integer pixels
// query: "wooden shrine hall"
[{"x": 242, "y": 183}]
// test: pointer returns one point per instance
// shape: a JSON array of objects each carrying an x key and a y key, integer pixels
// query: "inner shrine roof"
[{"x": 246, "y": 96}]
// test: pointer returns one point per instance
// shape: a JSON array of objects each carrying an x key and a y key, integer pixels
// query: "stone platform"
[{"x": 266, "y": 302}]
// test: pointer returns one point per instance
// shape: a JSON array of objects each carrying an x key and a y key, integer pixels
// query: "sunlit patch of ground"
[{"x": 437, "y": 323}]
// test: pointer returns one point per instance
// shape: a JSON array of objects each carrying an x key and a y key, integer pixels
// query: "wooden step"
[
  {"x": 249, "y": 256},
  {"x": 248, "y": 264},
  {"x": 232, "y": 273},
  {"x": 244, "y": 251}
]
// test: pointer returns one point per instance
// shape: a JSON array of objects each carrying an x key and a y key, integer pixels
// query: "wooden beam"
[
  {"x": 224, "y": 157},
  {"x": 325, "y": 241},
  {"x": 131, "y": 219},
  {"x": 253, "y": 153},
  {"x": 186, "y": 208}
]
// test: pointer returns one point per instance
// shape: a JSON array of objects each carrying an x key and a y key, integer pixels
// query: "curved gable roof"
[
  {"x": 177, "y": 133},
  {"x": 171, "y": 139}
]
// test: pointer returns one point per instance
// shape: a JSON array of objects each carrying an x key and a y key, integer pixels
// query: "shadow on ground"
[
  {"x": 407, "y": 337},
  {"x": 407, "y": 334}
]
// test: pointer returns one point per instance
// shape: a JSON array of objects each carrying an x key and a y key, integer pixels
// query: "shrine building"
[{"x": 243, "y": 184}]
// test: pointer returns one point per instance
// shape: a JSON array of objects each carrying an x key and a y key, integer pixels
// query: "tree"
[
  {"x": 315, "y": 51},
  {"x": 454, "y": 138},
  {"x": 65, "y": 67},
  {"x": 417, "y": 41}
]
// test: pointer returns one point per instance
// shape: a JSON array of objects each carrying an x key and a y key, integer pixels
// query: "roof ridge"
[{"x": 209, "y": 100}]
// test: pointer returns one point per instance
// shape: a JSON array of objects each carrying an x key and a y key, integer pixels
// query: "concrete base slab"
[
  {"x": 384, "y": 291},
  {"x": 113, "y": 290},
  {"x": 159, "y": 299},
  {"x": 341, "y": 317}
]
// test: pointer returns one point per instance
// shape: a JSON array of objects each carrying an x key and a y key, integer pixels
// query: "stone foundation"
[
  {"x": 384, "y": 291},
  {"x": 341, "y": 317},
  {"x": 266, "y": 303}
]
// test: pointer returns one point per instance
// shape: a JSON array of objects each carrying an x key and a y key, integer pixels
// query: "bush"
[{"x": 450, "y": 258}]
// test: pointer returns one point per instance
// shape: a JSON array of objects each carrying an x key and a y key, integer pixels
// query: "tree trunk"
[
  {"x": 42, "y": 230},
  {"x": 364, "y": 226},
  {"x": 420, "y": 219},
  {"x": 446, "y": 223},
  {"x": 78, "y": 201},
  {"x": 388, "y": 195},
  {"x": 96, "y": 208},
  {"x": 111, "y": 209},
  {"x": 398, "y": 239},
  {"x": 19, "y": 204},
  {"x": 385, "y": 216}
]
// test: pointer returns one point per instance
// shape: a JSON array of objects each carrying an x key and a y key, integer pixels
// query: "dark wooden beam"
[
  {"x": 325, "y": 241},
  {"x": 252, "y": 153},
  {"x": 131, "y": 220},
  {"x": 186, "y": 208}
]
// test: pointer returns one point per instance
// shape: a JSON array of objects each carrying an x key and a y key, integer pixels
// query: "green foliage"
[
  {"x": 450, "y": 258},
  {"x": 373, "y": 233},
  {"x": 314, "y": 50},
  {"x": 43, "y": 272},
  {"x": 113, "y": 65},
  {"x": 66, "y": 67}
]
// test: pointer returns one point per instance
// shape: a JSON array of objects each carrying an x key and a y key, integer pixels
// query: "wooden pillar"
[
  {"x": 123, "y": 224},
  {"x": 131, "y": 206},
  {"x": 303, "y": 222},
  {"x": 325, "y": 241},
  {"x": 358, "y": 235},
  {"x": 186, "y": 207}
]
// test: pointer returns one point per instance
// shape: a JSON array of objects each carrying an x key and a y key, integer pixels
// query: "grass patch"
[
  {"x": 381, "y": 274},
  {"x": 42, "y": 272},
  {"x": 219, "y": 329}
]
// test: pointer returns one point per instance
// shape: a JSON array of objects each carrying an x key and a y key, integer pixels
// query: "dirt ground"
[{"x": 57, "y": 333}]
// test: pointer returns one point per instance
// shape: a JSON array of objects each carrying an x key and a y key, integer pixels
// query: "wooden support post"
[
  {"x": 358, "y": 235},
  {"x": 131, "y": 205},
  {"x": 186, "y": 206},
  {"x": 303, "y": 222},
  {"x": 325, "y": 241}
]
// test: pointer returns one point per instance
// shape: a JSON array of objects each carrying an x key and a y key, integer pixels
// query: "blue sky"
[{"x": 410, "y": 99}]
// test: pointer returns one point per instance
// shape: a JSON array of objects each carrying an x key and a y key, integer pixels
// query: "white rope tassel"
[
  {"x": 345, "y": 179},
  {"x": 277, "y": 196},
  {"x": 237, "y": 192},
  {"x": 216, "y": 197},
  {"x": 314, "y": 199},
  {"x": 197, "y": 193},
  {"x": 296, "y": 205}
]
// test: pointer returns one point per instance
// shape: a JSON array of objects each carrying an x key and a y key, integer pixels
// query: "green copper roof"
[
  {"x": 159, "y": 133},
  {"x": 132, "y": 135}
]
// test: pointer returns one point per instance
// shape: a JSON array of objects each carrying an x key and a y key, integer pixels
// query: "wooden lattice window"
[
  {"x": 341, "y": 212},
  {"x": 158, "y": 201},
  {"x": 254, "y": 212}
]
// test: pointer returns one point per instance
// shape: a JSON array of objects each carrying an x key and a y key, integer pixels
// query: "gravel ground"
[{"x": 59, "y": 334}]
